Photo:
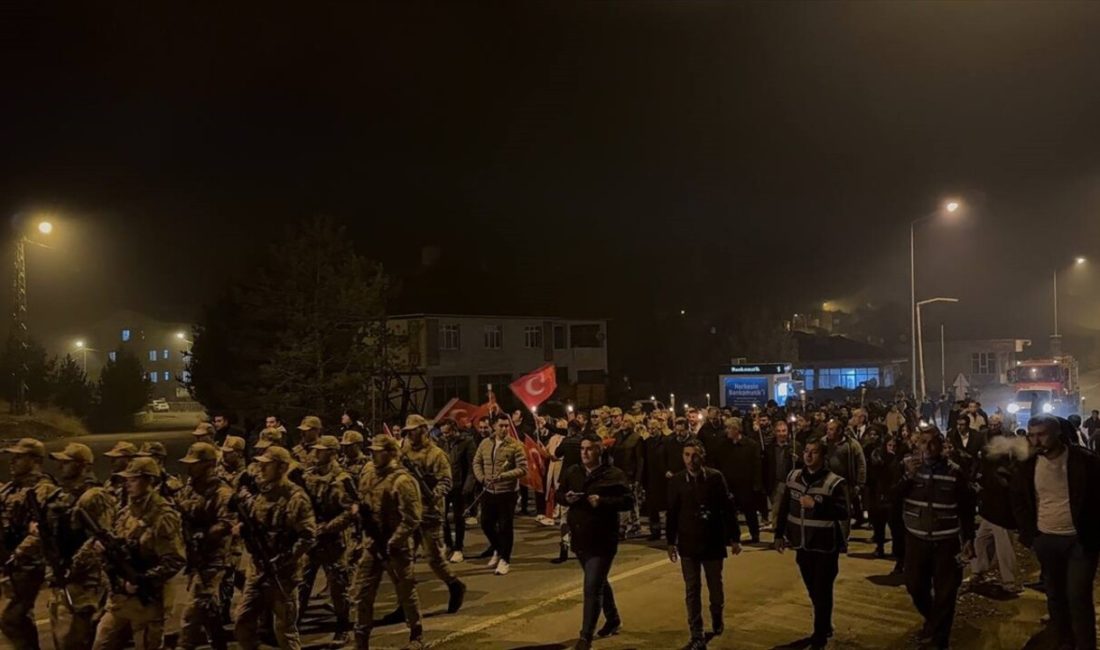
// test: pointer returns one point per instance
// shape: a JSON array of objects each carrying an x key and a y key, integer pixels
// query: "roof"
[
  {"x": 494, "y": 316},
  {"x": 813, "y": 347}
]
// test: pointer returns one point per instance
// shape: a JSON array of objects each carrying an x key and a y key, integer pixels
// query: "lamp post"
[
  {"x": 84, "y": 350},
  {"x": 1078, "y": 261},
  {"x": 920, "y": 341},
  {"x": 950, "y": 207},
  {"x": 19, "y": 314}
]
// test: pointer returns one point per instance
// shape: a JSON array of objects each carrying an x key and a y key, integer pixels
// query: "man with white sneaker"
[
  {"x": 460, "y": 450},
  {"x": 499, "y": 464}
]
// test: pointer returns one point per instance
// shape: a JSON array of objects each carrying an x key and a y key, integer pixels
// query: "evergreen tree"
[
  {"x": 123, "y": 390},
  {"x": 71, "y": 391}
]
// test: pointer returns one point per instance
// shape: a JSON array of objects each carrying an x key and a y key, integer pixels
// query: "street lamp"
[
  {"x": 920, "y": 338},
  {"x": 949, "y": 207},
  {"x": 84, "y": 350},
  {"x": 19, "y": 313},
  {"x": 1077, "y": 261}
]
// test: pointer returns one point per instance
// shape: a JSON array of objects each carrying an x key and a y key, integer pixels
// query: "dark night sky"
[{"x": 614, "y": 159}]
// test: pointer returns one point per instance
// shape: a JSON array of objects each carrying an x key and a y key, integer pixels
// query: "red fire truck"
[{"x": 1045, "y": 386}]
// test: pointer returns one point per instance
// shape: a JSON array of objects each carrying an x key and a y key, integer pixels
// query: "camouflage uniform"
[
  {"x": 207, "y": 524},
  {"x": 303, "y": 451},
  {"x": 116, "y": 485},
  {"x": 151, "y": 526},
  {"x": 393, "y": 497},
  {"x": 23, "y": 562},
  {"x": 435, "y": 467},
  {"x": 332, "y": 492},
  {"x": 283, "y": 511},
  {"x": 234, "y": 576},
  {"x": 73, "y": 626},
  {"x": 353, "y": 466}
]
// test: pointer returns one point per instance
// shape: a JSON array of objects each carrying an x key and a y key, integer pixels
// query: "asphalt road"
[{"x": 537, "y": 606}]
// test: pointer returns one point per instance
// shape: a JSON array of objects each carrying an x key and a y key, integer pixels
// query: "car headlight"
[
  {"x": 1014, "y": 408},
  {"x": 1048, "y": 408}
]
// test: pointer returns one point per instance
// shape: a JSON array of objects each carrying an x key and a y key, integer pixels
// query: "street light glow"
[
  {"x": 1080, "y": 260},
  {"x": 952, "y": 206},
  {"x": 80, "y": 344},
  {"x": 180, "y": 335},
  {"x": 45, "y": 227}
]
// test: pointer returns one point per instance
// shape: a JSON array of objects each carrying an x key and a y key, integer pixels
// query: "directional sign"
[{"x": 960, "y": 384}]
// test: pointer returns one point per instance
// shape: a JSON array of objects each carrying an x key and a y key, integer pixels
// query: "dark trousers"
[
  {"x": 746, "y": 504},
  {"x": 932, "y": 577},
  {"x": 1068, "y": 573},
  {"x": 455, "y": 503},
  {"x": 879, "y": 517},
  {"x": 818, "y": 574},
  {"x": 498, "y": 514},
  {"x": 897, "y": 536},
  {"x": 597, "y": 593},
  {"x": 693, "y": 570}
]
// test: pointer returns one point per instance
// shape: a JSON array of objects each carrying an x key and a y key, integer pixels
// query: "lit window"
[
  {"x": 450, "y": 337},
  {"x": 153, "y": 377},
  {"x": 113, "y": 356},
  {"x": 125, "y": 335},
  {"x": 493, "y": 337},
  {"x": 152, "y": 355},
  {"x": 167, "y": 377},
  {"x": 532, "y": 336},
  {"x": 164, "y": 354}
]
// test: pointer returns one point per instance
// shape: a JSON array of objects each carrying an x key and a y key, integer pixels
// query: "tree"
[
  {"x": 71, "y": 391},
  {"x": 297, "y": 335},
  {"x": 39, "y": 370},
  {"x": 123, "y": 390}
]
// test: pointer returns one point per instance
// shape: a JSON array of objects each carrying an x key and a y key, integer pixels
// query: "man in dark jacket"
[
  {"x": 739, "y": 462},
  {"x": 780, "y": 458},
  {"x": 811, "y": 506},
  {"x": 712, "y": 434},
  {"x": 627, "y": 453},
  {"x": 596, "y": 494},
  {"x": 701, "y": 522},
  {"x": 999, "y": 462},
  {"x": 674, "y": 447},
  {"x": 938, "y": 511},
  {"x": 845, "y": 458},
  {"x": 968, "y": 444},
  {"x": 1056, "y": 500},
  {"x": 460, "y": 451},
  {"x": 653, "y": 476}
]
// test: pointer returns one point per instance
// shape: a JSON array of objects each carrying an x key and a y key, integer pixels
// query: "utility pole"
[{"x": 19, "y": 326}]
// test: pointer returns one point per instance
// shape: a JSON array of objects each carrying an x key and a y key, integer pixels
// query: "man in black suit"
[{"x": 968, "y": 445}]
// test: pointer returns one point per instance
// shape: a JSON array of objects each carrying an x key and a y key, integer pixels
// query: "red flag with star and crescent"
[{"x": 537, "y": 387}]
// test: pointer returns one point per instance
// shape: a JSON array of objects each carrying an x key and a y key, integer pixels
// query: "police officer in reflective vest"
[
  {"x": 938, "y": 511},
  {"x": 811, "y": 509}
]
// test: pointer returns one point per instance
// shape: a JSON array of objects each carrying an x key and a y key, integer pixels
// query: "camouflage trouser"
[
  {"x": 431, "y": 542},
  {"x": 17, "y": 618},
  {"x": 367, "y": 579},
  {"x": 126, "y": 616},
  {"x": 330, "y": 555},
  {"x": 261, "y": 596},
  {"x": 73, "y": 628},
  {"x": 630, "y": 521},
  {"x": 202, "y": 614}
]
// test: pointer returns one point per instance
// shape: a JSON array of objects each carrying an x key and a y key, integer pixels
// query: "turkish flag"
[
  {"x": 536, "y": 469},
  {"x": 461, "y": 412},
  {"x": 537, "y": 387}
]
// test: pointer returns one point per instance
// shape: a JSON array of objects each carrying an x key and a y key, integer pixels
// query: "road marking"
[{"x": 572, "y": 593}]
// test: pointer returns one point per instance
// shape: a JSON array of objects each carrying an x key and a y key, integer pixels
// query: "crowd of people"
[{"x": 259, "y": 515}]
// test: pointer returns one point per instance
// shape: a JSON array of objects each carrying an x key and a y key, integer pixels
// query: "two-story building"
[{"x": 461, "y": 356}]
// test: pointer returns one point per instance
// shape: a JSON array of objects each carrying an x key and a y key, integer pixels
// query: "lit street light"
[
  {"x": 950, "y": 207},
  {"x": 45, "y": 227},
  {"x": 84, "y": 350},
  {"x": 1078, "y": 261},
  {"x": 19, "y": 311}
]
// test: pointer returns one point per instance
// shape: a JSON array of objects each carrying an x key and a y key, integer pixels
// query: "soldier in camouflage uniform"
[
  {"x": 23, "y": 564},
  {"x": 150, "y": 527},
  {"x": 170, "y": 484},
  {"x": 204, "y": 432},
  {"x": 332, "y": 492},
  {"x": 282, "y": 513},
  {"x": 73, "y": 625},
  {"x": 230, "y": 470},
  {"x": 311, "y": 432},
  {"x": 393, "y": 498},
  {"x": 351, "y": 453},
  {"x": 434, "y": 467},
  {"x": 207, "y": 525},
  {"x": 121, "y": 455}
]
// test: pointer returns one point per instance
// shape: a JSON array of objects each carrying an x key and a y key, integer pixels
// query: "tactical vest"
[
  {"x": 930, "y": 511},
  {"x": 805, "y": 530}
]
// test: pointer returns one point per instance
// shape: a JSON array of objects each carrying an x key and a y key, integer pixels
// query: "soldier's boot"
[
  {"x": 563, "y": 555},
  {"x": 457, "y": 594},
  {"x": 394, "y": 617}
]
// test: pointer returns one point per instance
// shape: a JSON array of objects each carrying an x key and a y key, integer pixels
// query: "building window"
[
  {"x": 167, "y": 376},
  {"x": 591, "y": 376},
  {"x": 532, "y": 336},
  {"x": 586, "y": 336},
  {"x": 982, "y": 363},
  {"x": 152, "y": 355},
  {"x": 845, "y": 378},
  {"x": 494, "y": 337},
  {"x": 445, "y": 388},
  {"x": 560, "y": 342},
  {"x": 153, "y": 377},
  {"x": 113, "y": 356},
  {"x": 185, "y": 376},
  {"x": 164, "y": 354},
  {"x": 450, "y": 337},
  {"x": 500, "y": 389},
  {"x": 126, "y": 335}
]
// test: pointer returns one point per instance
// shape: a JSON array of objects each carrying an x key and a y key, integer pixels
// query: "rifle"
[
  {"x": 192, "y": 541},
  {"x": 427, "y": 483},
  {"x": 51, "y": 550},
  {"x": 122, "y": 559},
  {"x": 254, "y": 536},
  {"x": 14, "y": 525},
  {"x": 377, "y": 546}
]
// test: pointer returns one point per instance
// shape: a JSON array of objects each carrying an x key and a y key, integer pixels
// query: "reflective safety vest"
[
  {"x": 930, "y": 510},
  {"x": 806, "y": 530}
]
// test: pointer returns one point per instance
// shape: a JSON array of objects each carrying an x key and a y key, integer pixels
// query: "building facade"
[
  {"x": 983, "y": 362},
  {"x": 461, "y": 356}
]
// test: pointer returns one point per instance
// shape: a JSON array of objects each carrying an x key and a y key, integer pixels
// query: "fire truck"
[{"x": 1045, "y": 386}]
